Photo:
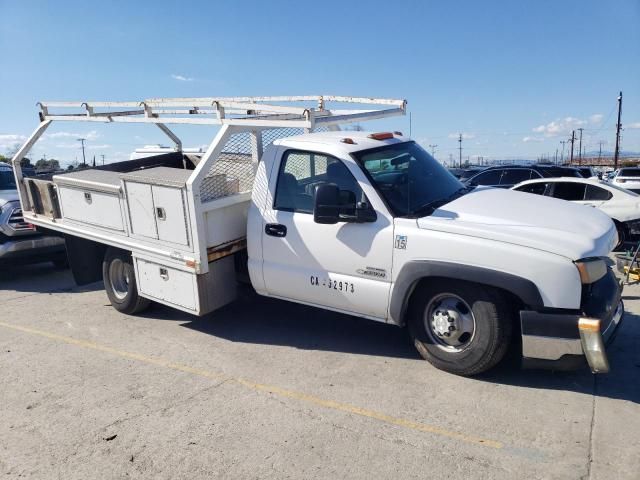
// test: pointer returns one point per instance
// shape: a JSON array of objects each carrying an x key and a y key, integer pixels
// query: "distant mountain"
[{"x": 607, "y": 153}]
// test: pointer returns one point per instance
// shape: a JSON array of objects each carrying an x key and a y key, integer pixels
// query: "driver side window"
[{"x": 301, "y": 172}]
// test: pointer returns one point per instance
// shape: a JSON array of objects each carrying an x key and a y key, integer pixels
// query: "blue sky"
[{"x": 513, "y": 77}]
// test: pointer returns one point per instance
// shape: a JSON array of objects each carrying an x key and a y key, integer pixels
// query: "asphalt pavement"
[{"x": 269, "y": 389}]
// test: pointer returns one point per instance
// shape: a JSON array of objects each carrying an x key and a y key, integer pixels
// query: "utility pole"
[
  {"x": 94, "y": 161},
  {"x": 562, "y": 154},
  {"x": 460, "y": 149},
  {"x": 600, "y": 152},
  {"x": 102, "y": 155},
  {"x": 84, "y": 160},
  {"x": 618, "y": 127},
  {"x": 433, "y": 150},
  {"x": 555, "y": 159},
  {"x": 580, "y": 147},
  {"x": 572, "y": 140}
]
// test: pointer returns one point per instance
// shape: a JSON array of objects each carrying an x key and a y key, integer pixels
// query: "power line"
[{"x": 460, "y": 149}]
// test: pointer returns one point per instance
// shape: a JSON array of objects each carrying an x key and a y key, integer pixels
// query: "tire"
[
  {"x": 476, "y": 318},
  {"x": 120, "y": 282},
  {"x": 623, "y": 235}
]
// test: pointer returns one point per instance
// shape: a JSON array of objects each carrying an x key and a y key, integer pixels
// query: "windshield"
[
  {"x": 410, "y": 180},
  {"x": 7, "y": 180}
]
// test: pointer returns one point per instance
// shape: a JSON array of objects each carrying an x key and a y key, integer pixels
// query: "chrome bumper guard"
[
  {"x": 563, "y": 341},
  {"x": 593, "y": 340}
]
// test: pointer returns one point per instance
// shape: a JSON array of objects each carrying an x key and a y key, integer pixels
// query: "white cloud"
[
  {"x": 560, "y": 126},
  {"x": 89, "y": 136},
  {"x": 532, "y": 139},
  {"x": 181, "y": 78},
  {"x": 632, "y": 125},
  {"x": 596, "y": 118},
  {"x": 465, "y": 136},
  {"x": 10, "y": 141}
]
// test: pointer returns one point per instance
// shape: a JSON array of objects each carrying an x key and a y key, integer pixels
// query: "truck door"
[{"x": 345, "y": 266}]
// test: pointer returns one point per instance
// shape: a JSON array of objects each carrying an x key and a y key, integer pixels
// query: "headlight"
[{"x": 591, "y": 269}]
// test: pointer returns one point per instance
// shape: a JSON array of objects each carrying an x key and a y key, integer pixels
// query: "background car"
[
  {"x": 620, "y": 204},
  {"x": 456, "y": 172},
  {"x": 588, "y": 172},
  {"x": 627, "y": 178},
  {"x": 507, "y": 176},
  {"x": 20, "y": 241},
  {"x": 469, "y": 172}
]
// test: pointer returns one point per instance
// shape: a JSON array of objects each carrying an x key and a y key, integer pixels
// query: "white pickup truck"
[{"x": 367, "y": 224}]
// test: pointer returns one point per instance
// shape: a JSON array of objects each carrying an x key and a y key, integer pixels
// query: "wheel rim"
[
  {"x": 449, "y": 322},
  {"x": 119, "y": 279}
]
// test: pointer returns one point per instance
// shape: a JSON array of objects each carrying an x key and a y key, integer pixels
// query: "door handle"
[
  {"x": 164, "y": 273},
  {"x": 160, "y": 213},
  {"x": 275, "y": 230}
]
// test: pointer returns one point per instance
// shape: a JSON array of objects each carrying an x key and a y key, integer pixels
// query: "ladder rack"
[
  {"x": 222, "y": 177},
  {"x": 307, "y": 112}
]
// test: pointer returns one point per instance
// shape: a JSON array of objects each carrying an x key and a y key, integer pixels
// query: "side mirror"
[
  {"x": 332, "y": 205},
  {"x": 364, "y": 213},
  {"x": 326, "y": 204}
]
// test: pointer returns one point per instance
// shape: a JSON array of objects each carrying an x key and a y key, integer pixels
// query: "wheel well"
[
  {"x": 513, "y": 300},
  {"x": 85, "y": 259}
]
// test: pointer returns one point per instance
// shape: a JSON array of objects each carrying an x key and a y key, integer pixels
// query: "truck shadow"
[
  {"x": 39, "y": 278},
  {"x": 265, "y": 321}
]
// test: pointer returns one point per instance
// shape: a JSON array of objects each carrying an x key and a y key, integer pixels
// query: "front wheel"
[
  {"x": 120, "y": 282},
  {"x": 623, "y": 235},
  {"x": 460, "y": 327}
]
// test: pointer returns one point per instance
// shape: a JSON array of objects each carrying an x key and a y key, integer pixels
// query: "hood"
[
  {"x": 556, "y": 226},
  {"x": 8, "y": 196}
]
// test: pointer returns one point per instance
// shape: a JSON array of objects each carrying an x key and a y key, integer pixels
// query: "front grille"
[{"x": 17, "y": 223}]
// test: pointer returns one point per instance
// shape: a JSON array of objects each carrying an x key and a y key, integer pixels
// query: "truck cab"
[{"x": 369, "y": 224}]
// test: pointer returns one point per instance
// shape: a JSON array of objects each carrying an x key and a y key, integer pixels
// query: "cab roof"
[{"x": 361, "y": 140}]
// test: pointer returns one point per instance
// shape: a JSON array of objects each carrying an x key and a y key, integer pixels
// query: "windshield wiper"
[{"x": 432, "y": 206}]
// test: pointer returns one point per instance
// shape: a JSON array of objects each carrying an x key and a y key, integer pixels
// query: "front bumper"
[
  {"x": 31, "y": 248},
  {"x": 566, "y": 339}
]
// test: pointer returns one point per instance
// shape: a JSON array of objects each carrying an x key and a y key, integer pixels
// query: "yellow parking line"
[{"x": 303, "y": 397}]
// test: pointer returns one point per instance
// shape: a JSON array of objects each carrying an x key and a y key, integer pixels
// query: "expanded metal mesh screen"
[{"x": 234, "y": 170}]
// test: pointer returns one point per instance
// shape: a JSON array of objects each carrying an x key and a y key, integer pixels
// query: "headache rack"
[{"x": 220, "y": 178}]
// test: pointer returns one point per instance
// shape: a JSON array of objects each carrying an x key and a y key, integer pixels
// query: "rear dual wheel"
[
  {"x": 120, "y": 282},
  {"x": 460, "y": 327}
]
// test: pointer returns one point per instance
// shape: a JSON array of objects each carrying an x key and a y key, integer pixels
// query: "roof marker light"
[
  {"x": 348, "y": 141},
  {"x": 381, "y": 136},
  {"x": 399, "y": 134}
]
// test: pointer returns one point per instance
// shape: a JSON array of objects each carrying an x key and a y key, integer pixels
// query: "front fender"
[{"x": 413, "y": 271}]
